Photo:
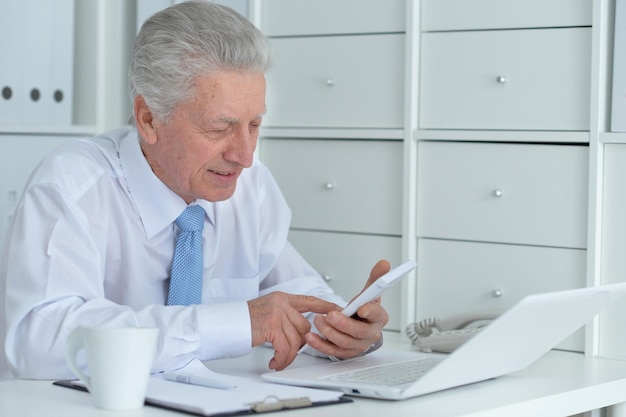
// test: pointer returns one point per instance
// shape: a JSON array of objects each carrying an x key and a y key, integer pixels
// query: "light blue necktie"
[{"x": 186, "y": 276}]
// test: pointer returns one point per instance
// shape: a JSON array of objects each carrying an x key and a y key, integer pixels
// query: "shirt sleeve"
[{"x": 54, "y": 273}]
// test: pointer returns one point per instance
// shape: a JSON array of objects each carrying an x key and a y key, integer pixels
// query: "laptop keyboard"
[{"x": 389, "y": 374}]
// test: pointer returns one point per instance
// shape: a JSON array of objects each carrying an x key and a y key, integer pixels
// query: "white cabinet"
[
  {"x": 501, "y": 201},
  {"x": 336, "y": 82},
  {"x": 335, "y": 100},
  {"x": 531, "y": 194},
  {"x": 326, "y": 17},
  {"x": 535, "y": 79},
  {"x": 492, "y": 114},
  {"x": 439, "y": 15},
  {"x": 460, "y": 276},
  {"x": 339, "y": 185},
  {"x": 497, "y": 222}
]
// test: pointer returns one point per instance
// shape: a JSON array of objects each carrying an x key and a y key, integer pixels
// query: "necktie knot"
[{"x": 191, "y": 220}]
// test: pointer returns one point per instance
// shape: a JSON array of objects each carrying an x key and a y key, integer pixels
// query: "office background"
[{"x": 483, "y": 138}]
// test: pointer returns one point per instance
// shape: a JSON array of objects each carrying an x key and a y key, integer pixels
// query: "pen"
[{"x": 204, "y": 381}]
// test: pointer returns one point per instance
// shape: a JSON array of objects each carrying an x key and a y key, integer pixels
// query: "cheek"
[
  {"x": 174, "y": 159},
  {"x": 180, "y": 149}
]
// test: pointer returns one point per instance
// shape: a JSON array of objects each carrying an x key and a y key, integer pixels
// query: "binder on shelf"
[
  {"x": 11, "y": 26},
  {"x": 248, "y": 397},
  {"x": 60, "y": 97},
  {"x": 618, "y": 96},
  {"x": 36, "y": 63},
  {"x": 47, "y": 62}
]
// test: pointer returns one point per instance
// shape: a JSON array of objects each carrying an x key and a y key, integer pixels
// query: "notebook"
[{"x": 516, "y": 339}]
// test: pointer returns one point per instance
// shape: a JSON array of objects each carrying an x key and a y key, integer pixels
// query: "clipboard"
[
  {"x": 269, "y": 405},
  {"x": 250, "y": 396}
]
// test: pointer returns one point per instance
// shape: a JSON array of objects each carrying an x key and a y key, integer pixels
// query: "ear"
[{"x": 144, "y": 121}]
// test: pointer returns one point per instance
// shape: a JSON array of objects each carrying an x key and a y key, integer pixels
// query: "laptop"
[{"x": 516, "y": 339}]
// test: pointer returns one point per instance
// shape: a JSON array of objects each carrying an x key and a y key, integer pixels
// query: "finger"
[
  {"x": 329, "y": 348},
  {"x": 374, "y": 313},
  {"x": 345, "y": 333},
  {"x": 280, "y": 350},
  {"x": 381, "y": 268},
  {"x": 268, "y": 312},
  {"x": 309, "y": 303},
  {"x": 345, "y": 337},
  {"x": 281, "y": 359},
  {"x": 292, "y": 339}
]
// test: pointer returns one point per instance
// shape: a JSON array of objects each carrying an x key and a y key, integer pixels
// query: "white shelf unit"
[
  {"x": 103, "y": 34},
  {"x": 555, "y": 101}
]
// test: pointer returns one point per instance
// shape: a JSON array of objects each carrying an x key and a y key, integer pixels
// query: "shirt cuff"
[{"x": 225, "y": 330}]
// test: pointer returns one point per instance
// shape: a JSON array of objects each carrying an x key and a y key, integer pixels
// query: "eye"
[{"x": 217, "y": 130}]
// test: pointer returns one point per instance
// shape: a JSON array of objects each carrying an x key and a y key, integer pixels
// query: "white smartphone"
[{"x": 378, "y": 287}]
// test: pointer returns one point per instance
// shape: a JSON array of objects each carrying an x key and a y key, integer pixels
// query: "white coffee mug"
[{"x": 118, "y": 363}]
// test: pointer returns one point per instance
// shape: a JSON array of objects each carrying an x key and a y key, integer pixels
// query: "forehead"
[{"x": 230, "y": 91}]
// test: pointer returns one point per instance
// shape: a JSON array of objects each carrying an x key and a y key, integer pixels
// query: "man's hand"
[
  {"x": 277, "y": 318},
  {"x": 344, "y": 337}
]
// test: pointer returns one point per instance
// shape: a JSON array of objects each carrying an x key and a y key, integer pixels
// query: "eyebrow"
[{"x": 234, "y": 119}]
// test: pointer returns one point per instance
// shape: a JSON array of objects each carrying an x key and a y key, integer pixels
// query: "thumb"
[{"x": 380, "y": 269}]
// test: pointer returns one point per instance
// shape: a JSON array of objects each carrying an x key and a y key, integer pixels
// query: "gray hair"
[{"x": 184, "y": 41}]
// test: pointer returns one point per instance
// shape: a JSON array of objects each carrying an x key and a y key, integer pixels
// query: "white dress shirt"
[{"x": 91, "y": 243}]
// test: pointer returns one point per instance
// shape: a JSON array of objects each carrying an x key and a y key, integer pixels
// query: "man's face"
[{"x": 209, "y": 140}]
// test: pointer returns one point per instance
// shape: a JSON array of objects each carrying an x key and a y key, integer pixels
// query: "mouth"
[{"x": 222, "y": 174}]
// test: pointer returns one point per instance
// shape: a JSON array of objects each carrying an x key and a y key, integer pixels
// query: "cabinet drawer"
[
  {"x": 306, "y": 17},
  {"x": 339, "y": 185},
  {"x": 337, "y": 82},
  {"x": 515, "y": 79},
  {"x": 345, "y": 261},
  {"x": 456, "y": 277},
  {"x": 512, "y": 193},
  {"x": 503, "y": 14}
]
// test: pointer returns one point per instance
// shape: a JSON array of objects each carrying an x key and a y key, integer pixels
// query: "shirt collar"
[{"x": 157, "y": 204}]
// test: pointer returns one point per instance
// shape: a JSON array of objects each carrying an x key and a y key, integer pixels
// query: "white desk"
[{"x": 559, "y": 384}]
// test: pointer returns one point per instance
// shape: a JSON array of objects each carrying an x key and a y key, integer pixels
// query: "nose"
[{"x": 241, "y": 149}]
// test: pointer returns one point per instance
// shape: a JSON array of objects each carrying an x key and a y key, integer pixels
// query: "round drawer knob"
[
  {"x": 7, "y": 92},
  {"x": 497, "y": 192},
  {"x": 501, "y": 79},
  {"x": 329, "y": 185},
  {"x": 496, "y": 293},
  {"x": 327, "y": 277},
  {"x": 330, "y": 82}
]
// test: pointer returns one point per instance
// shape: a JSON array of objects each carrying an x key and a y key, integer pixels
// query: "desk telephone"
[{"x": 447, "y": 334}]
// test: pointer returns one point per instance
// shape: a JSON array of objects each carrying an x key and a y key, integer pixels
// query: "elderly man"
[{"x": 95, "y": 236}]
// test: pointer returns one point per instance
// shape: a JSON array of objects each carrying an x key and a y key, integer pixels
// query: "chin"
[{"x": 222, "y": 195}]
